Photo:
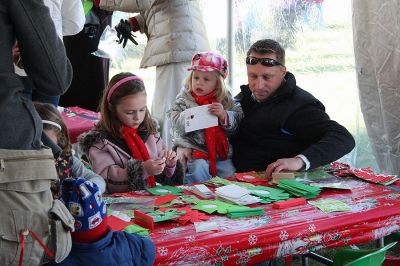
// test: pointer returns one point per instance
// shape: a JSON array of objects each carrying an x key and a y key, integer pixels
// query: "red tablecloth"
[
  {"x": 78, "y": 120},
  {"x": 298, "y": 230}
]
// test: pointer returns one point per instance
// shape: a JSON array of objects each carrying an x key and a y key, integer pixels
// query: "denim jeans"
[{"x": 198, "y": 170}]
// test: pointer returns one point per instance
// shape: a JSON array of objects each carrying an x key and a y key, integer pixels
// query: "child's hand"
[
  {"x": 218, "y": 110},
  {"x": 184, "y": 154},
  {"x": 154, "y": 167},
  {"x": 170, "y": 158}
]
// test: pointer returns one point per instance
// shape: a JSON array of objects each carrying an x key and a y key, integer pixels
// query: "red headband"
[{"x": 116, "y": 85}]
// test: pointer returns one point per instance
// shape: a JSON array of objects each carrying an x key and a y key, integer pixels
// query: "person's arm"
[
  {"x": 235, "y": 115},
  {"x": 73, "y": 17},
  {"x": 330, "y": 140},
  {"x": 142, "y": 248},
  {"x": 176, "y": 115},
  {"x": 79, "y": 170},
  {"x": 129, "y": 6},
  {"x": 42, "y": 52},
  {"x": 111, "y": 164}
]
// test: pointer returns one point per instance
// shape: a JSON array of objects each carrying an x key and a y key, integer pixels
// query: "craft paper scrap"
[
  {"x": 330, "y": 205},
  {"x": 163, "y": 190},
  {"x": 232, "y": 191},
  {"x": 250, "y": 177},
  {"x": 205, "y": 226},
  {"x": 336, "y": 185},
  {"x": 199, "y": 118},
  {"x": 136, "y": 229},
  {"x": 116, "y": 223},
  {"x": 121, "y": 215},
  {"x": 164, "y": 199}
]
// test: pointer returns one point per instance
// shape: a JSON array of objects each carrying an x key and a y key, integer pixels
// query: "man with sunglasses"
[{"x": 284, "y": 128}]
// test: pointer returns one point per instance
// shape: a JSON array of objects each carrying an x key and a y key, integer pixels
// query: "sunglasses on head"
[{"x": 268, "y": 62}]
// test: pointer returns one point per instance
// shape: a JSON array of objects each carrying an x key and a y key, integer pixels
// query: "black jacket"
[{"x": 290, "y": 122}]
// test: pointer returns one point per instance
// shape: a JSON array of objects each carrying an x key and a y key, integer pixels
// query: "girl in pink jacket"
[{"x": 125, "y": 147}]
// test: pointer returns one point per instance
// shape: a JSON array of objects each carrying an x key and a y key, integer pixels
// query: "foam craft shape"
[
  {"x": 163, "y": 190},
  {"x": 210, "y": 206},
  {"x": 116, "y": 223}
]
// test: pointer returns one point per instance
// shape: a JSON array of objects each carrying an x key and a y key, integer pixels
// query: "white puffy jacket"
[{"x": 174, "y": 28}]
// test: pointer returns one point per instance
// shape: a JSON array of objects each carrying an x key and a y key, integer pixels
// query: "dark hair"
[
  {"x": 268, "y": 46},
  {"x": 49, "y": 112},
  {"x": 109, "y": 121}
]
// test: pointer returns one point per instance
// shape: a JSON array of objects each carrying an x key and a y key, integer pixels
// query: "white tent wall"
[{"x": 376, "y": 31}]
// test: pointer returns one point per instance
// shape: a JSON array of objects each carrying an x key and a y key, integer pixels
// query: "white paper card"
[
  {"x": 199, "y": 118},
  {"x": 205, "y": 226},
  {"x": 232, "y": 191}
]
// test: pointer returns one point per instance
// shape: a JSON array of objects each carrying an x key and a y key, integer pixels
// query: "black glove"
[{"x": 124, "y": 32}]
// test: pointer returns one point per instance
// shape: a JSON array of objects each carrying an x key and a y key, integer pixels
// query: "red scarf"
[
  {"x": 138, "y": 149},
  {"x": 216, "y": 141}
]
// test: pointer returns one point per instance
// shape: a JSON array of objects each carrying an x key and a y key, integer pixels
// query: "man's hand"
[
  {"x": 154, "y": 167},
  {"x": 124, "y": 33},
  {"x": 284, "y": 165},
  {"x": 184, "y": 155}
]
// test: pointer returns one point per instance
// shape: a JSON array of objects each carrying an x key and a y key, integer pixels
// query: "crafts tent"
[{"x": 346, "y": 53}]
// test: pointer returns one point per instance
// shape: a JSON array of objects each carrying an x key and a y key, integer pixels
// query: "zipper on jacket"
[{"x": 23, "y": 158}]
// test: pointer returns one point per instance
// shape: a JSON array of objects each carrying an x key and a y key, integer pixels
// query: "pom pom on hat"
[
  {"x": 209, "y": 61},
  {"x": 84, "y": 201}
]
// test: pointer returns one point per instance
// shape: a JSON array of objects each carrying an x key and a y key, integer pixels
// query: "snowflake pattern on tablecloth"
[
  {"x": 252, "y": 239},
  {"x": 393, "y": 196},
  {"x": 163, "y": 251},
  {"x": 312, "y": 228},
  {"x": 191, "y": 238},
  {"x": 283, "y": 235}
]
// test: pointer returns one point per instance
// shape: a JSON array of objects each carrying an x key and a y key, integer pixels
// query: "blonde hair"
[
  {"x": 222, "y": 92},
  {"x": 49, "y": 112},
  {"x": 109, "y": 121}
]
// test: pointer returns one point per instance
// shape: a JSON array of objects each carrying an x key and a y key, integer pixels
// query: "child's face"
[
  {"x": 204, "y": 83},
  {"x": 131, "y": 110},
  {"x": 52, "y": 134}
]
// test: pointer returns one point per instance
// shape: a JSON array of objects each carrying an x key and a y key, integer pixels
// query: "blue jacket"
[{"x": 116, "y": 248}]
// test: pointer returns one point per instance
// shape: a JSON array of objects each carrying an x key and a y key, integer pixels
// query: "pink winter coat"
[{"x": 120, "y": 170}]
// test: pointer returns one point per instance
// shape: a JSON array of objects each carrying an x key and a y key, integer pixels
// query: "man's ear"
[{"x": 283, "y": 69}]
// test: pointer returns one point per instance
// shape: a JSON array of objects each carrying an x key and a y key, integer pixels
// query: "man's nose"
[{"x": 259, "y": 83}]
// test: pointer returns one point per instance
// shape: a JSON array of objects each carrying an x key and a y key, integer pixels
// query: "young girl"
[
  {"x": 125, "y": 147},
  {"x": 206, "y": 152},
  {"x": 67, "y": 165}
]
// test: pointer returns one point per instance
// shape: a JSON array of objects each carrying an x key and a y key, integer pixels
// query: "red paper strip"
[
  {"x": 116, "y": 223},
  {"x": 143, "y": 220},
  {"x": 164, "y": 199},
  {"x": 289, "y": 203}
]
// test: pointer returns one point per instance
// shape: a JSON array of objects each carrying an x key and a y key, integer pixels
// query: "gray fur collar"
[{"x": 88, "y": 139}]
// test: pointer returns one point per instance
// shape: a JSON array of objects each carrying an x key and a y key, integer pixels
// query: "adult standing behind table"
[
  {"x": 45, "y": 62},
  {"x": 284, "y": 127},
  {"x": 26, "y": 167},
  {"x": 68, "y": 18},
  {"x": 175, "y": 32},
  {"x": 90, "y": 71}
]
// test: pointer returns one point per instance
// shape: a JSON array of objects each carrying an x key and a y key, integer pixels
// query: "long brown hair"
[
  {"x": 109, "y": 121},
  {"x": 49, "y": 112}
]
